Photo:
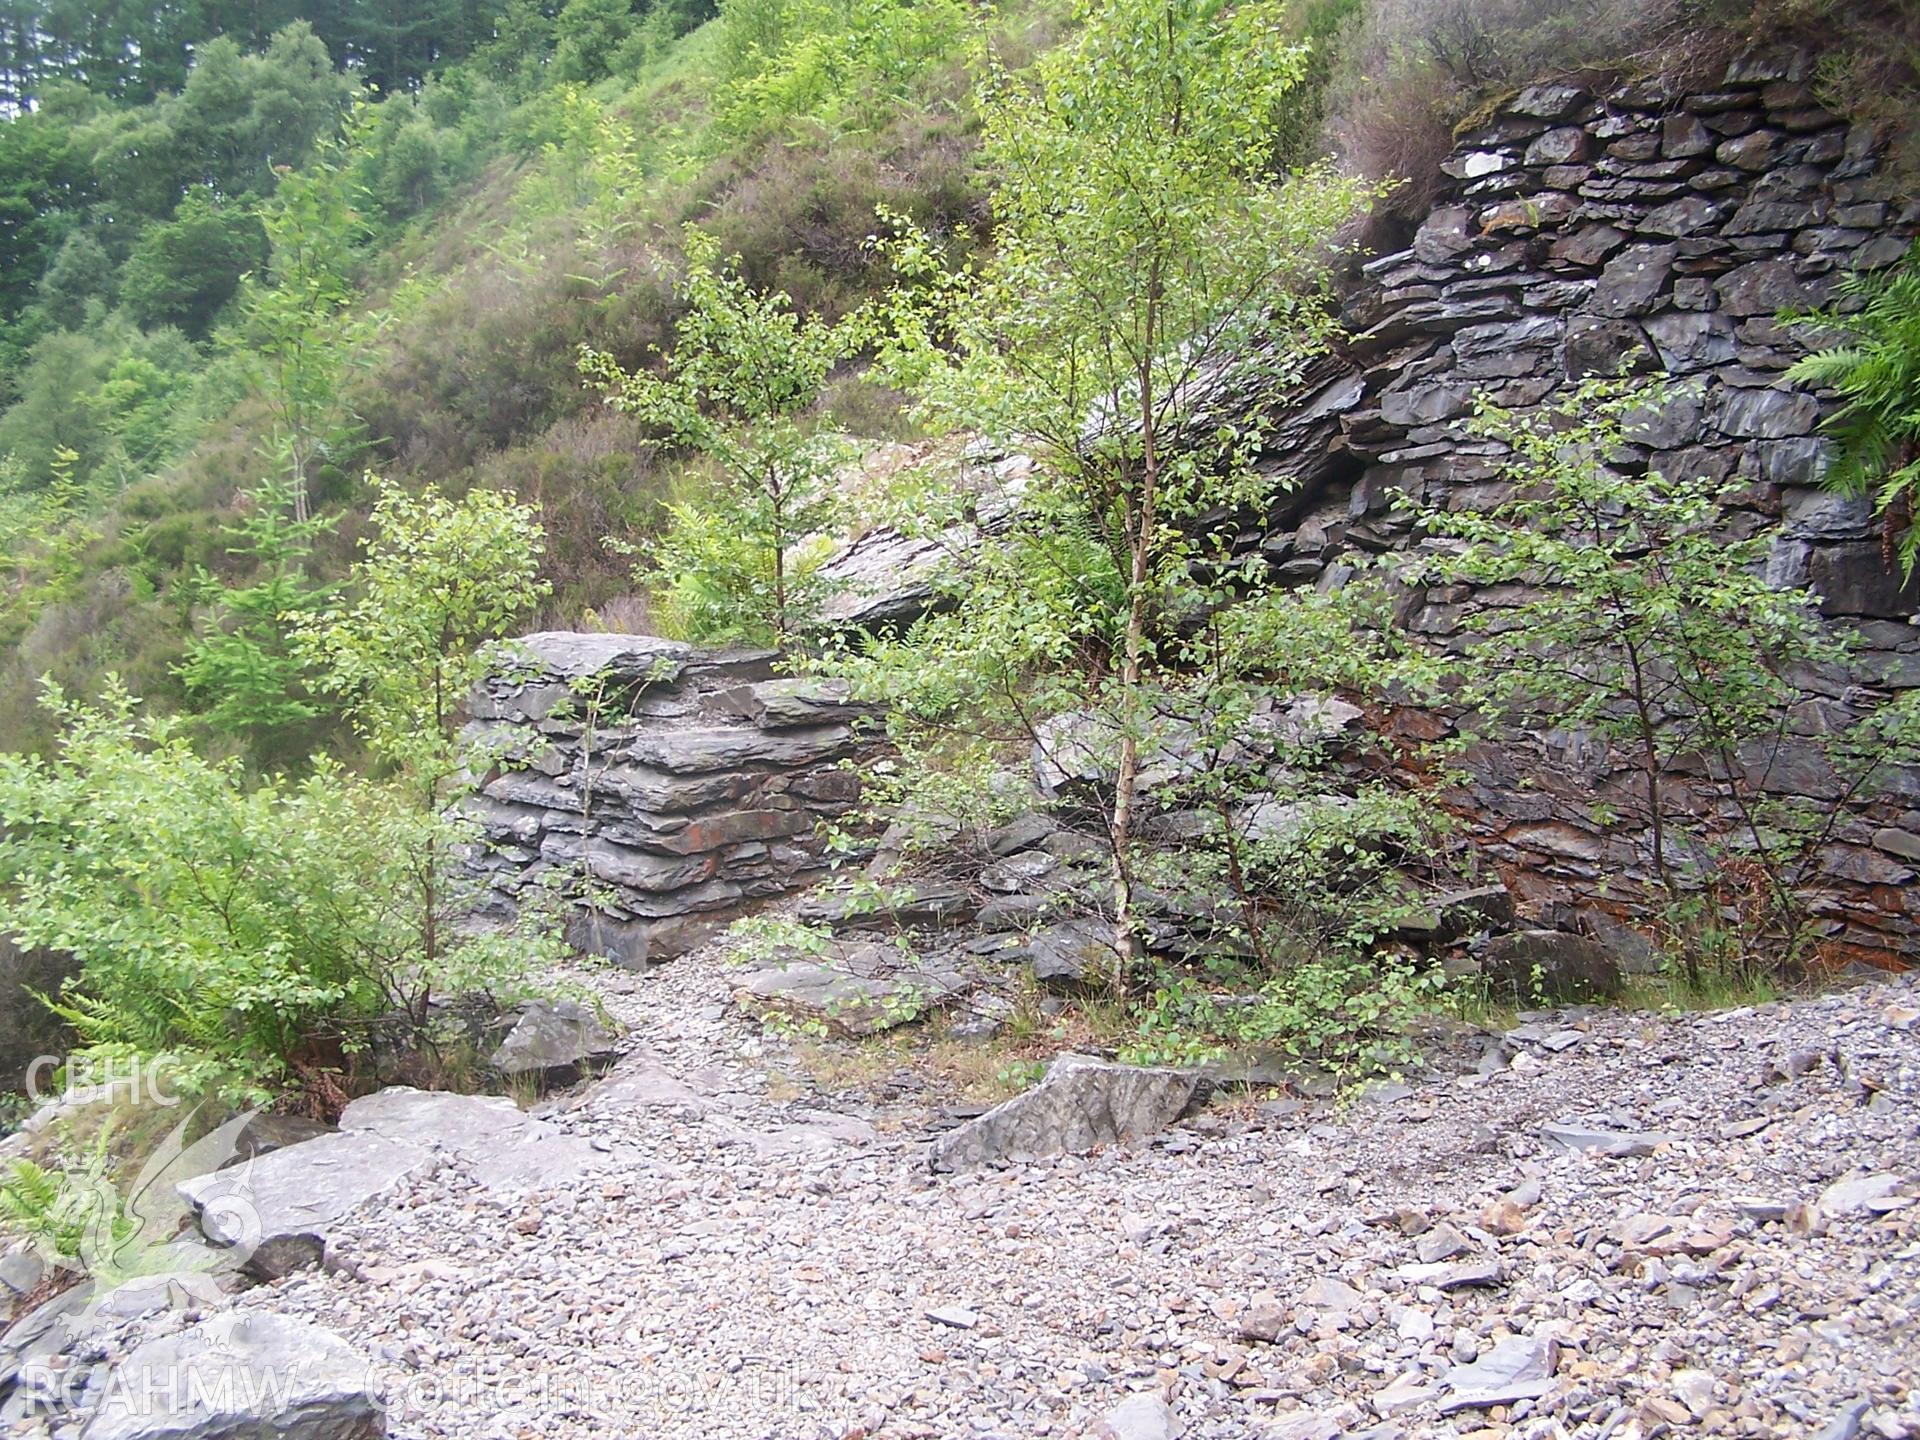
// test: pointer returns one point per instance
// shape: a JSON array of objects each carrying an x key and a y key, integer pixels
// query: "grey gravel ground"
[{"x": 745, "y": 1266}]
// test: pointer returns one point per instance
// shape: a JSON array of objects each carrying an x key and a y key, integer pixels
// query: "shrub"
[
  {"x": 249, "y": 932},
  {"x": 239, "y": 666},
  {"x": 1346, "y": 1013},
  {"x": 1653, "y": 629},
  {"x": 1416, "y": 68},
  {"x": 839, "y": 64},
  {"x": 437, "y": 587},
  {"x": 800, "y": 215},
  {"x": 744, "y": 373},
  {"x": 184, "y": 270}
]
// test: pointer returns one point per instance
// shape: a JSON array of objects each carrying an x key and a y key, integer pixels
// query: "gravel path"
[{"x": 751, "y": 1266}]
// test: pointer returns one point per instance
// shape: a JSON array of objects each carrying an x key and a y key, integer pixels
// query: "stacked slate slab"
[
  {"x": 1658, "y": 229},
  {"x": 673, "y": 785}
]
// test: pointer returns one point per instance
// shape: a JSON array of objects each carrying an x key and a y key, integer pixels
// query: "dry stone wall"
[
  {"x": 675, "y": 785},
  {"x": 1661, "y": 230}
]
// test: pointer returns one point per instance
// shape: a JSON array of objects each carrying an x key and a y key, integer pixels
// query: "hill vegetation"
[
  {"x": 294, "y": 318},
  {"x": 268, "y": 245}
]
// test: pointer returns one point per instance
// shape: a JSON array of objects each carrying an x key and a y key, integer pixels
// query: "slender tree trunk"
[
  {"x": 775, "y": 491},
  {"x": 1126, "y": 940},
  {"x": 779, "y": 596},
  {"x": 299, "y": 485},
  {"x": 1656, "y": 801},
  {"x": 430, "y": 889}
]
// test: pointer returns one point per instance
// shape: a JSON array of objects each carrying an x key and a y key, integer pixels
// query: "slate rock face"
[
  {"x": 249, "y": 1374},
  {"x": 1651, "y": 229},
  {"x": 1079, "y": 1103},
  {"x": 1076, "y": 754},
  {"x": 685, "y": 783},
  {"x": 541, "y": 671},
  {"x": 920, "y": 903}
]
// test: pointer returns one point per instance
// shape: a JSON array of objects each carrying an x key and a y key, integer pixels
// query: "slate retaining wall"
[
  {"x": 679, "y": 784},
  {"x": 1662, "y": 231}
]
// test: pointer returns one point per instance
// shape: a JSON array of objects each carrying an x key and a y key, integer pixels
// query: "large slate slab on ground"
[
  {"x": 248, "y": 1375},
  {"x": 279, "y": 1209},
  {"x": 1079, "y": 1103},
  {"x": 490, "y": 1137},
  {"x": 855, "y": 990},
  {"x": 641, "y": 1080},
  {"x": 1516, "y": 1369}
]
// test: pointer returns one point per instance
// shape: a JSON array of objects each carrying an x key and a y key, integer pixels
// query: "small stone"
[
  {"x": 1018, "y": 872},
  {"x": 1405, "y": 1392},
  {"x": 1264, "y": 1321},
  {"x": 1502, "y": 1217},
  {"x": 1023, "y": 832},
  {"x": 21, "y": 1271},
  {"x": 1853, "y": 1195},
  {"x": 1319, "y": 1425},
  {"x": 957, "y": 1317},
  {"x": 1632, "y": 280},
  {"x": 1760, "y": 1207},
  {"x": 1563, "y": 146},
  {"x": 1694, "y": 1389},
  {"x": 1662, "y": 1411},
  {"x": 1139, "y": 1417},
  {"x": 1328, "y": 1293},
  {"x": 1847, "y": 1424},
  {"x": 1441, "y": 1243},
  {"x": 1472, "y": 1273}
]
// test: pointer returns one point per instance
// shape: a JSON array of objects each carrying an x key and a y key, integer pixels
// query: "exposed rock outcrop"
[
  {"x": 674, "y": 784},
  {"x": 1651, "y": 227},
  {"x": 1661, "y": 229}
]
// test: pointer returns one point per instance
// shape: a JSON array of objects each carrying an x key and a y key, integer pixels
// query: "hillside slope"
[{"x": 520, "y": 193}]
